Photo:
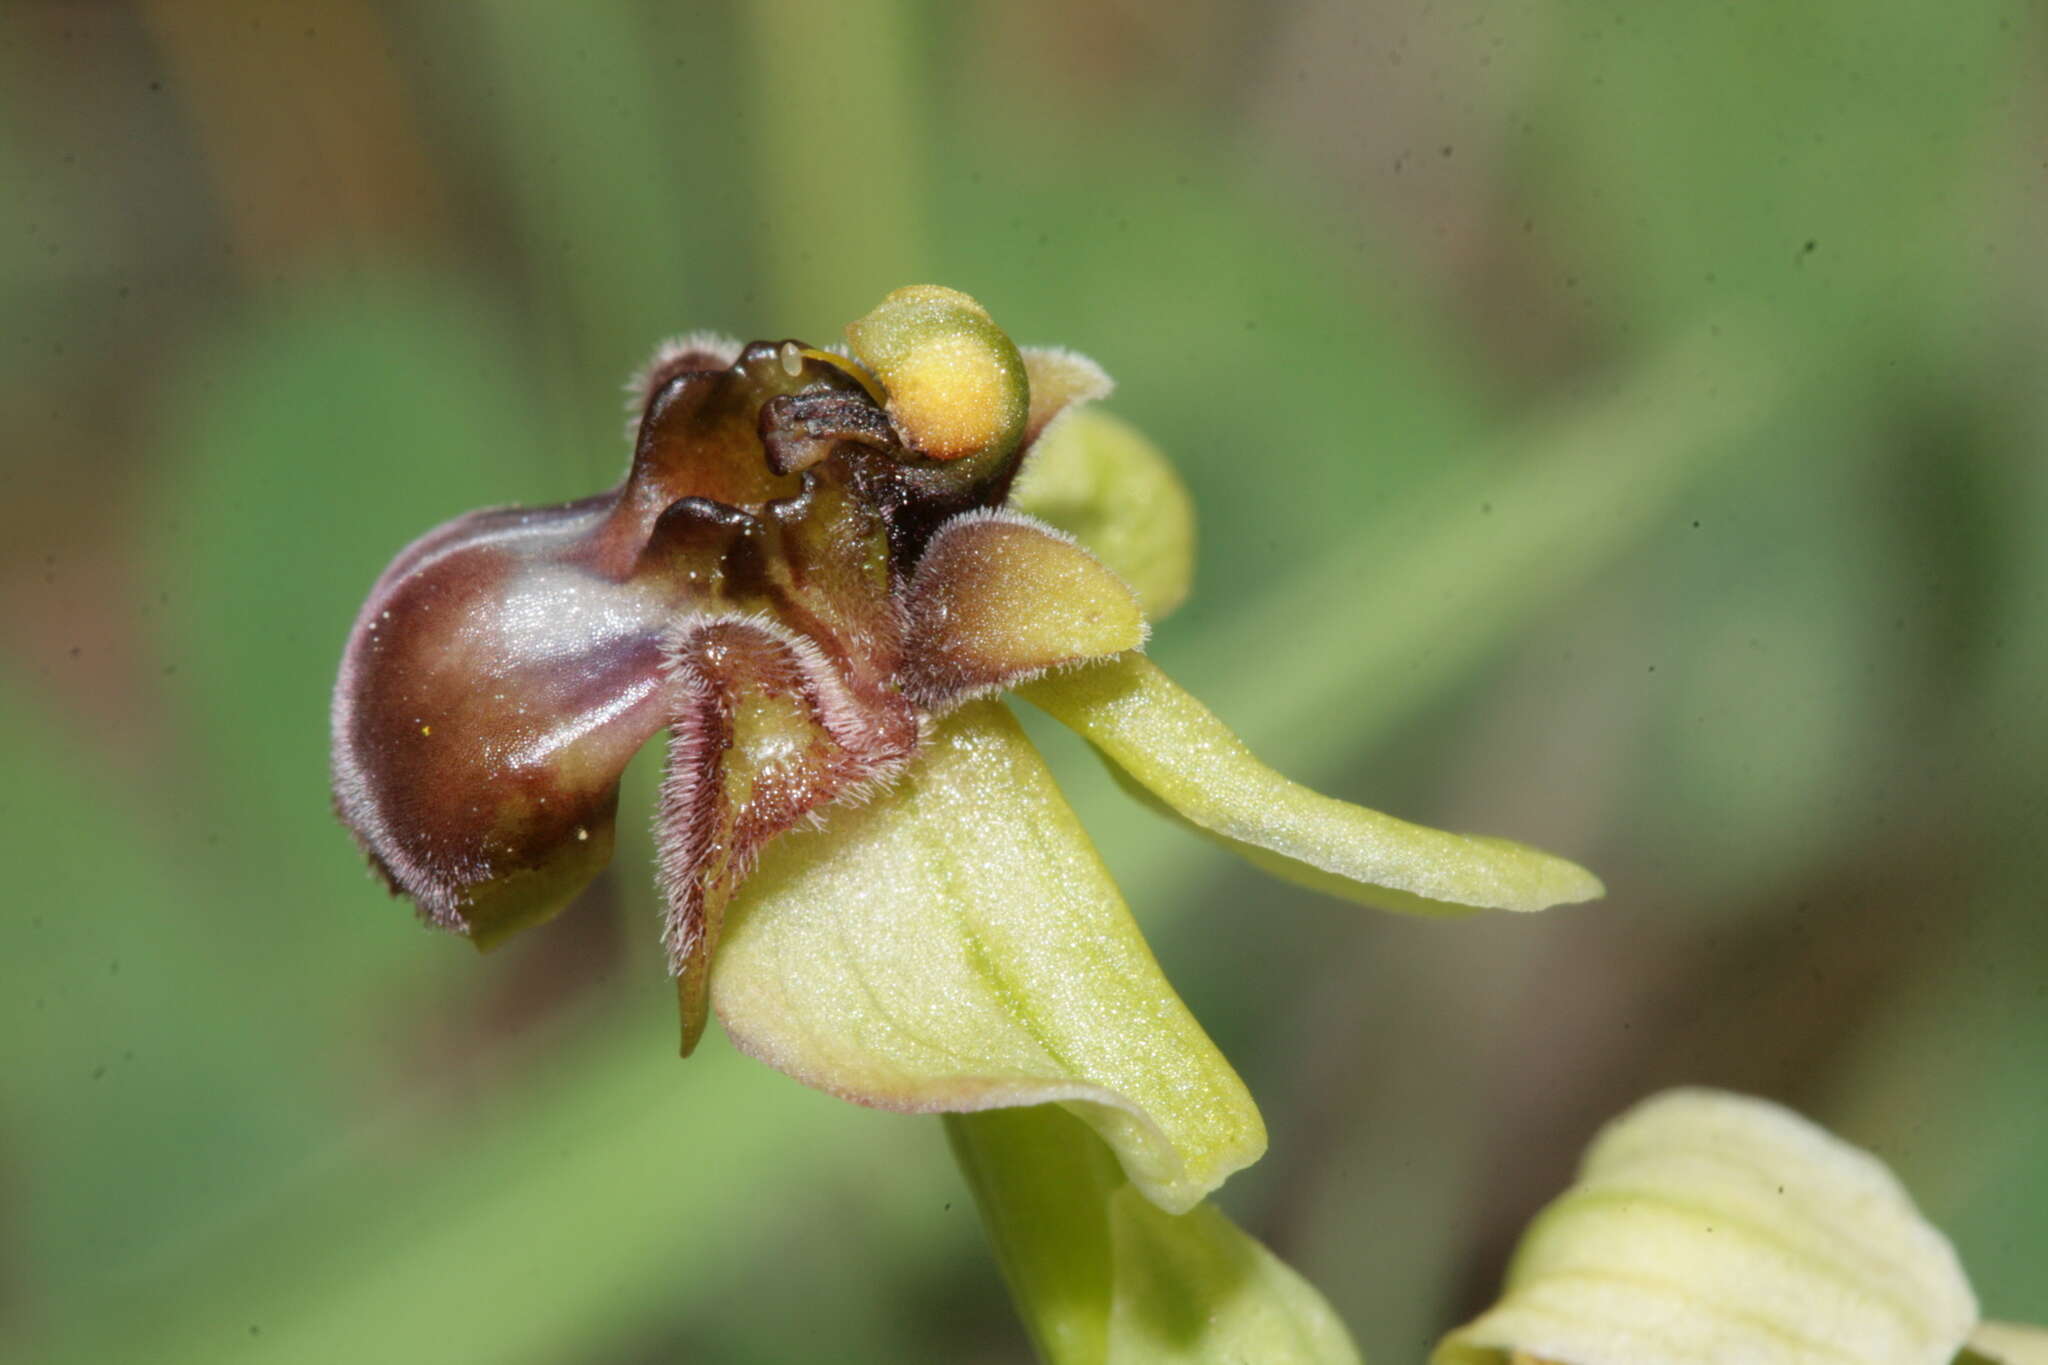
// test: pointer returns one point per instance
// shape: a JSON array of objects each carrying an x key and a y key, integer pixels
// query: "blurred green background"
[{"x": 1617, "y": 426}]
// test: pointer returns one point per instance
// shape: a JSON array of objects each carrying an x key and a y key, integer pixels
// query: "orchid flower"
[
  {"x": 1706, "y": 1227},
  {"x": 819, "y": 573}
]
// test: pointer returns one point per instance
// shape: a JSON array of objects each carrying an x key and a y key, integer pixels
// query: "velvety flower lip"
[{"x": 818, "y": 573}]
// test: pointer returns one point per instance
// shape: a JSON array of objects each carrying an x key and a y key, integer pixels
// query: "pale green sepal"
[
  {"x": 2007, "y": 1343},
  {"x": 1096, "y": 478},
  {"x": 1102, "y": 1276},
  {"x": 1175, "y": 748},
  {"x": 958, "y": 946},
  {"x": 1706, "y": 1228}
]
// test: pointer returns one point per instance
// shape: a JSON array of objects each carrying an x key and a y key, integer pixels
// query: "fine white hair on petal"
[
  {"x": 837, "y": 710},
  {"x": 920, "y": 581},
  {"x": 1090, "y": 382},
  {"x": 1063, "y": 381},
  {"x": 1004, "y": 514},
  {"x": 719, "y": 350},
  {"x": 875, "y": 759}
]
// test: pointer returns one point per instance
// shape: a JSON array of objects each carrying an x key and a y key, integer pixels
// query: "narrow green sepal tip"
[{"x": 1175, "y": 749}]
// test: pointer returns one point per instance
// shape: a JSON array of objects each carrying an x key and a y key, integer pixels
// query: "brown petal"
[
  {"x": 490, "y": 695},
  {"x": 765, "y": 731}
]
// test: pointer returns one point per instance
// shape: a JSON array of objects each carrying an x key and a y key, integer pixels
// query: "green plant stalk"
[{"x": 1100, "y": 1274}]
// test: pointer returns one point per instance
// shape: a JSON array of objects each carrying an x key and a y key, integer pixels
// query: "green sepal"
[
  {"x": 1176, "y": 750},
  {"x": 1097, "y": 478},
  {"x": 1103, "y": 1276},
  {"x": 959, "y": 946}
]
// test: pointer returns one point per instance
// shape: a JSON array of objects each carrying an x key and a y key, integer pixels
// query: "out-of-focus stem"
[
  {"x": 1040, "y": 1189},
  {"x": 1483, "y": 552},
  {"x": 1102, "y": 1276},
  {"x": 834, "y": 116},
  {"x": 271, "y": 105}
]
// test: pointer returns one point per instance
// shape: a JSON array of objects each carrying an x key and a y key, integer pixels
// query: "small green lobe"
[{"x": 1097, "y": 478}]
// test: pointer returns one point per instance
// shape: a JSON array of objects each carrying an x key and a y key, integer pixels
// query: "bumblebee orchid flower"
[{"x": 821, "y": 569}]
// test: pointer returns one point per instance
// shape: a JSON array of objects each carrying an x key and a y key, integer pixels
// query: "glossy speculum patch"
[{"x": 807, "y": 560}]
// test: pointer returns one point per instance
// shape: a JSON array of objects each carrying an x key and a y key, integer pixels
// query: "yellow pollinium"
[
  {"x": 845, "y": 367},
  {"x": 956, "y": 384}
]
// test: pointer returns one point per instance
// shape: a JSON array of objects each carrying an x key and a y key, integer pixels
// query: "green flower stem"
[
  {"x": 1040, "y": 1190},
  {"x": 1102, "y": 1276}
]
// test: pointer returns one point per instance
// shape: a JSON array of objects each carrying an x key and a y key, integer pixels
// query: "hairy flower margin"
[{"x": 819, "y": 572}]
